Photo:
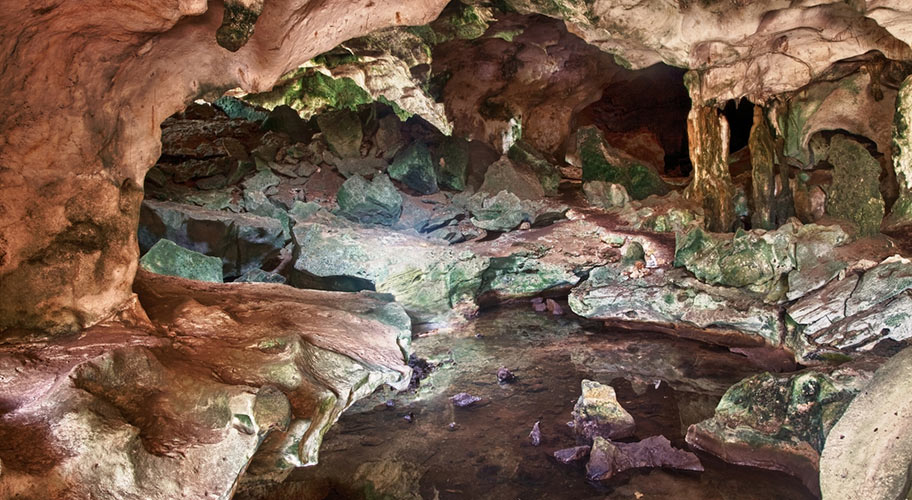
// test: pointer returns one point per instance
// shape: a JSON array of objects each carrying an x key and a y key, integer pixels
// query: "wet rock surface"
[
  {"x": 550, "y": 356},
  {"x": 607, "y": 459}
]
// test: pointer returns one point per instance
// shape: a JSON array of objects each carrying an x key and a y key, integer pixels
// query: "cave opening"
[
  {"x": 740, "y": 116},
  {"x": 645, "y": 112}
]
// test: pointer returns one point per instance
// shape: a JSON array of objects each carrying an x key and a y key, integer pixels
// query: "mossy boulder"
[
  {"x": 451, "y": 157},
  {"x": 371, "y": 202},
  {"x": 854, "y": 194},
  {"x": 778, "y": 422},
  {"x": 342, "y": 131},
  {"x": 414, "y": 168},
  {"x": 523, "y": 153},
  {"x": 168, "y": 258},
  {"x": 520, "y": 180},
  {"x": 430, "y": 279},
  {"x": 501, "y": 212},
  {"x": 749, "y": 260},
  {"x": 601, "y": 162}
]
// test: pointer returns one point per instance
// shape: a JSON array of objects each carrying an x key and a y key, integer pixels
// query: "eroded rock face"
[
  {"x": 743, "y": 48},
  {"x": 868, "y": 454},
  {"x": 779, "y": 422},
  {"x": 250, "y": 378},
  {"x": 73, "y": 160}
]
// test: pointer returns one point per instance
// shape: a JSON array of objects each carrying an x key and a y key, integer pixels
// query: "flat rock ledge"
[{"x": 219, "y": 382}]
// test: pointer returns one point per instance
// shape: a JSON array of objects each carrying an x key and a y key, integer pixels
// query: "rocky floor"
[{"x": 418, "y": 444}]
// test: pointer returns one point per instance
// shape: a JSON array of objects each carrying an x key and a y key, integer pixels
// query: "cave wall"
[
  {"x": 85, "y": 88},
  {"x": 87, "y": 84}
]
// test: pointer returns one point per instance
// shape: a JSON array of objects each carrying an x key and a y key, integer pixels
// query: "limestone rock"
[
  {"x": 242, "y": 241},
  {"x": 520, "y": 180},
  {"x": 608, "y": 459},
  {"x": 228, "y": 385},
  {"x": 501, "y": 212},
  {"x": 343, "y": 133},
  {"x": 750, "y": 260},
  {"x": 711, "y": 185},
  {"x": 855, "y": 192},
  {"x": 852, "y": 315},
  {"x": 598, "y": 414},
  {"x": 374, "y": 202},
  {"x": 669, "y": 301},
  {"x": 869, "y": 449},
  {"x": 414, "y": 168},
  {"x": 778, "y": 422},
  {"x": 431, "y": 280},
  {"x": 452, "y": 159},
  {"x": 605, "y": 195},
  {"x": 166, "y": 257},
  {"x": 601, "y": 162},
  {"x": 549, "y": 176}
]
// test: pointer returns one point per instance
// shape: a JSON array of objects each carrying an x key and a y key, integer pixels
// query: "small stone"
[
  {"x": 535, "y": 436},
  {"x": 607, "y": 458},
  {"x": 538, "y": 304},
  {"x": 553, "y": 307},
  {"x": 505, "y": 376},
  {"x": 572, "y": 455},
  {"x": 464, "y": 399},
  {"x": 390, "y": 403},
  {"x": 598, "y": 413},
  {"x": 452, "y": 426},
  {"x": 409, "y": 417}
]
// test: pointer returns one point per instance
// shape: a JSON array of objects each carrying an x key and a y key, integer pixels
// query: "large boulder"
[
  {"x": 166, "y": 257},
  {"x": 249, "y": 381},
  {"x": 549, "y": 176},
  {"x": 342, "y": 131},
  {"x": 761, "y": 261},
  {"x": 242, "y": 241},
  {"x": 430, "y": 279},
  {"x": 452, "y": 159},
  {"x": 778, "y": 422},
  {"x": 414, "y": 168},
  {"x": 854, "y": 194},
  {"x": 601, "y": 162},
  {"x": 870, "y": 450},
  {"x": 520, "y": 180},
  {"x": 371, "y": 202},
  {"x": 852, "y": 315},
  {"x": 670, "y": 301}
]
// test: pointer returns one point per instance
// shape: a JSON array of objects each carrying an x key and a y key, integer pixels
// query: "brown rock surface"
[
  {"x": 73, "y": 155},
  {"x": 126, "y": 410}
]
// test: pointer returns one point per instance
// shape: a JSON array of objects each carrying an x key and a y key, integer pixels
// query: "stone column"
[
  {"x": 901, "y": 214},
  {"x": 711, "y": 183},
  {"x": 771, "y": 194}
]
